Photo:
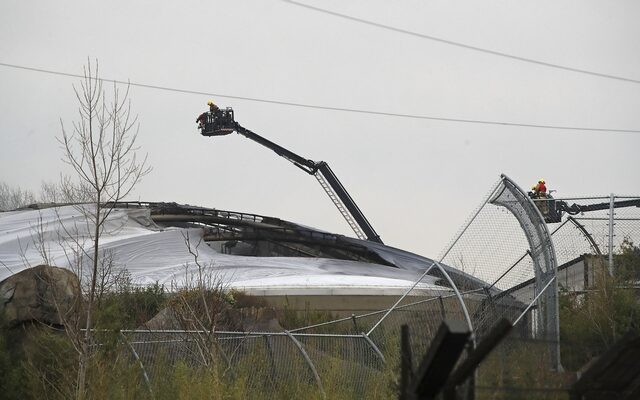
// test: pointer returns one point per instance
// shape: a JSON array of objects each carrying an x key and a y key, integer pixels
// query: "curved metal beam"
[
  {"x": 586, "y": 234},
  {"x": 459, "y": 296},
  {"x": 306, "y": 357},
  {"x": 543, "y": 255}
]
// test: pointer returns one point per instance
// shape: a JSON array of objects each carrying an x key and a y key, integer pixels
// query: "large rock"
[{"x": 45, "y": 294}]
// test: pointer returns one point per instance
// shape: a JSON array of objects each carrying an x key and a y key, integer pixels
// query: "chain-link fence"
[
  {"x": 518, "y": 261},
  {"x": 582, "y": 245},
  {"x": 606, "y": 222},
  {"x": 515, "y": 370},
  {"x": 277, "y": 362}
]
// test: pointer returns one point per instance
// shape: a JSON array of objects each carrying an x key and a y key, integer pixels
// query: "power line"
[
  {"x": 328, "y": 108},
  {"x": 462, "y": 45}
]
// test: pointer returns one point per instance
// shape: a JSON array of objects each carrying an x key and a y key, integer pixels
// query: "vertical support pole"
[
  {"x": 272, "y": 366},
  {"x": 492, "y": 305},
  {"x": 355, "y": 323},
  {"x": 442, "y": 310},
  {"x": 406, "y": 365},
  {"x": 611, "y": 223},
  {"x": 553, "y": 312}
]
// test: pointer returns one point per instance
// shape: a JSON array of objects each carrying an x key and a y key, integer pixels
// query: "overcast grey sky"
[{"x": 415, "y": 179}]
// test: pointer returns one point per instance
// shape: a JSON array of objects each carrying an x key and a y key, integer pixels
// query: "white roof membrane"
[{"x": 153, "y": 254}]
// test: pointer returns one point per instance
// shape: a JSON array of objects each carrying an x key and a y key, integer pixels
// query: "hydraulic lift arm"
[
  {"x": 579, "y": 208},
  {"x": 552, "y": 209},
  {"x": 308, "y": 166},
  {"x": 320, "y": 169},
  {"x": 329, "y": 182}
]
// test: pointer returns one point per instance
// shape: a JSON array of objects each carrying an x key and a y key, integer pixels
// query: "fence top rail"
[{"x": 238, "y": 334}]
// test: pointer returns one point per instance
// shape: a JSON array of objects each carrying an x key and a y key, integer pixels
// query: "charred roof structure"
[{"x": 246, "y": 234}]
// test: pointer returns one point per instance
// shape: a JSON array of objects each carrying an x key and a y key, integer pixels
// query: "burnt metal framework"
[{"x": 231, "y": 226}]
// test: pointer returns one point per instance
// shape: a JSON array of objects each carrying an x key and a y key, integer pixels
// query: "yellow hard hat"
[
  {"x": 533, "y": 187},
  {"x": 541, "y": 180},
  {"x": 210, "y": 103}
]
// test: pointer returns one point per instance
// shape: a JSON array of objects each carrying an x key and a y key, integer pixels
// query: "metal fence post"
[
  {"x": 611, "y": 223},
  {"x": 272, "y": 365}
]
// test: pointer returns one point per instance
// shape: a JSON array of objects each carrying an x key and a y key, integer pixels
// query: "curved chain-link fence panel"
[{"x": 506, "y": 244}]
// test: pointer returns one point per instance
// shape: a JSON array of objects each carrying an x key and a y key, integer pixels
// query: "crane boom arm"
[
  {"x": 329, "y": 182},
  {"x": 308, "y": 166},
  {"x": 552, "y": 209},
  {"x": 579, "y": 208}
]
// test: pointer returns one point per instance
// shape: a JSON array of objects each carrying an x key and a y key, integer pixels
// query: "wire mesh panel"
[
  {"x": 609, "y": 221},
  {"x": 156, "y": 349},
  {"x": 518, "y": 368},
  {"x": 276, "y": 364},
  {"x": 286, "y": 365},
  {"x": 507, "y": 245},
  {"x": 346, "y": 364}
]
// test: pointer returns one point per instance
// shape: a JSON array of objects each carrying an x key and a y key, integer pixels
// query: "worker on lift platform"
[
  {"x": 201, "y": 120},
  {"x": 213, "y": 109},
  {"x": 216, "y": 121},
  {"x": 540, "y": 190}
]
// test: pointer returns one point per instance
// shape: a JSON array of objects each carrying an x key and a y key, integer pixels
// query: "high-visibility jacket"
[{"x": 541, "y": 188}]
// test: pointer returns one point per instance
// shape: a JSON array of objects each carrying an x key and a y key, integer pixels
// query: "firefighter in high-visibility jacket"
[
  {"x": 540, "y": 189},
  {"x": 214, "y": 111},
  {"x": 540, "y": 192}
]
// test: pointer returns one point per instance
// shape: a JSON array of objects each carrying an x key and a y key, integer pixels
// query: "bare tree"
[
  {"x": 14, "y": 197},
  {"x": 101, "y": 149},
  {"x": 200, "y": 303}
]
